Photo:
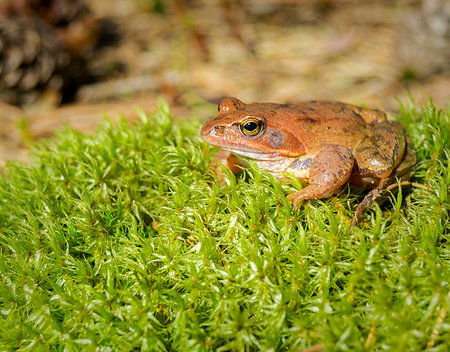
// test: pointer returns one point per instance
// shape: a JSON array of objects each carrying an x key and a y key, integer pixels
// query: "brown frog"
[{"x": 325, "y": 144}]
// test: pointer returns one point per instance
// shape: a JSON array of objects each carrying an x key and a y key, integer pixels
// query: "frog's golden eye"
[{"x": 251, "y": 126}]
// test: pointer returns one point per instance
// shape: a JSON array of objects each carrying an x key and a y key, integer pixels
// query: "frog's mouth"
[
  {"x": 271, "y": 162},
  {"x": 255, "y": 154}
]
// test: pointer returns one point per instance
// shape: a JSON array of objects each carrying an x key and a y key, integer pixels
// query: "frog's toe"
[
  {"x": 311, "y": 191},
  {"x": 297, "y": 197},
  {"x": 368, "y": 200}
]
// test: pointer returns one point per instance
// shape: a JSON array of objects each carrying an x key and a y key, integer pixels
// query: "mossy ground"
[{"x": 123, "y": 241}]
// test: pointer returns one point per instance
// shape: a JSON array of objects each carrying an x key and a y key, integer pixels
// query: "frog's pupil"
[{"x": 251, "y": 126}]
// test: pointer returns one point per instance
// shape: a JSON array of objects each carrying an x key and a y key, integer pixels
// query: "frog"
[{"x": 323, "y": 144}]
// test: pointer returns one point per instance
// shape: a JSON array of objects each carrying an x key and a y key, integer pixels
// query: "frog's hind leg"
[
  {"x": 408, "y": 161},
  {"x": 330, "y": 169},
  {"x": 388, "y": 184},
  {"x": 382, "y": 151}
]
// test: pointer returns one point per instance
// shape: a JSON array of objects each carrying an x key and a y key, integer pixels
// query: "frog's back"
[
  {"x": 317, "y": 122},
  {"x": 315, "y": 111},
  {"x": 329, "y": 110}
]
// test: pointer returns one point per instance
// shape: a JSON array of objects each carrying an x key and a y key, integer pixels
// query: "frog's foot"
[
  {"x": 384, "y": 186},
  {"x": 369, "y": 199},
  {"x": 330, "y": 169}
]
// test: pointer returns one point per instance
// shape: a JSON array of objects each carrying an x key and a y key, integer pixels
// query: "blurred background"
[{"x": 69, "y": 61}]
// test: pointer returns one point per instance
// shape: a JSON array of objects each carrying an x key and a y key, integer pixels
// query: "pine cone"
[
  {"x": 46, "y": 45},
  {"x": 32, "y": 59},
  {"x": 77, "y": 28},
  {"x": 55, "y": 13}
]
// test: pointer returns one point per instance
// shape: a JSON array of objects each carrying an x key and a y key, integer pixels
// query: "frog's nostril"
[{"x": 218, "y": 130}]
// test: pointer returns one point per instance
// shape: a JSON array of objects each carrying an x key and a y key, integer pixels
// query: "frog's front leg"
[
  {"x": 224, "y": 157},
  {"x": 330, "y": 169}
]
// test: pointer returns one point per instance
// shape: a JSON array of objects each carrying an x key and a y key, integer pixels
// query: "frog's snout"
[
  {"x": 218, "y": 130},
  {"x": 209, "y": 130}
]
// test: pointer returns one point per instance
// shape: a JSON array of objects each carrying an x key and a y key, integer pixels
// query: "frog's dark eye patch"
[{"x": 251, "y": 126}]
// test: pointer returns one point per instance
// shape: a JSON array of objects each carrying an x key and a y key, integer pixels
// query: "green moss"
[{"x": 123, "y": 241}]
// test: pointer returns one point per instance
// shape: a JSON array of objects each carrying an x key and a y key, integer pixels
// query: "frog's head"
[{"x": 257, "y": 131}]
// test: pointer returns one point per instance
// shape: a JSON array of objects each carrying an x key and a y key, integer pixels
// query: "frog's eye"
[{"x": 251, "y": 126}]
